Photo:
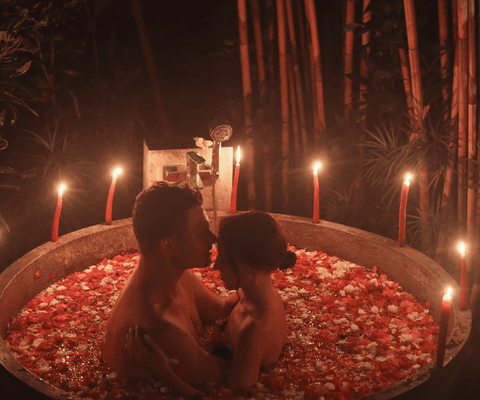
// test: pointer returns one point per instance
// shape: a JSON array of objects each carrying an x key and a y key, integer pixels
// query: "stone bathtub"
[{"x": 50, "y": 262}]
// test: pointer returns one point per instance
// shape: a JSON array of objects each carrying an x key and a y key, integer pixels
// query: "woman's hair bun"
[{"x": 289, "y": 261}]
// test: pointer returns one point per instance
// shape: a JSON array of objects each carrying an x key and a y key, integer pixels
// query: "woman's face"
[{"x": 227, "y": 272}]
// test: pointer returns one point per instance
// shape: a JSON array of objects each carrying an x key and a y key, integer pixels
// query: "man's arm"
[
  {"x": 190, "y": 361},
  {"x": 210, "y": 306},
  {"x": 144, "y": 351}
]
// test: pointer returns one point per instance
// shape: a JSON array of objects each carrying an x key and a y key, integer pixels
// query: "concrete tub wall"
[{"x": 50, "y": 262}]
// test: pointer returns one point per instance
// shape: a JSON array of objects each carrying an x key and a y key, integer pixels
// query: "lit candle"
[
  {"x": 402, "y": 216},
  {"x": 108, "y": 211},
  {"x": 233, "y": 199},
  {"x": 316, "y": 196},
  {"x": 56, "y": 217},
  {"x": 442, "y": 332},
  {"x": 463, "y": 276}
]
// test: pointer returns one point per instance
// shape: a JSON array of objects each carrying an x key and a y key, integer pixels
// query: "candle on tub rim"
[
  {"x": 56, "y": 216},
  {"x": 402, "y": 215},
  {"x": 443, "y": 326},
  {"x": 108, "y": 211},
  {"x": 233, "y": 199},
  {"x": 463, "y": 276},
  {"x": 316, "y": 193}
]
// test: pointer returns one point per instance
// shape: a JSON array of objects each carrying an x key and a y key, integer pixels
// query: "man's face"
[{"x": 193, "y": 247}]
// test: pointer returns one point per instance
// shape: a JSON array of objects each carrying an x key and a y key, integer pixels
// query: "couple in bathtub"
[{"x": 155, "y": 326}]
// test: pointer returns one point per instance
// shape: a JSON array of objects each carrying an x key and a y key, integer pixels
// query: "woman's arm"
[{"x": 247, "y": 358}]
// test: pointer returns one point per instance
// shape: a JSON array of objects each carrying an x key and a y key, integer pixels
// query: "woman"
[{"x": 250, "y": 246}]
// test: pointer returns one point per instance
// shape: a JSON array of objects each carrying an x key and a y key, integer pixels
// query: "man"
[{"x": 162, "y": 296}]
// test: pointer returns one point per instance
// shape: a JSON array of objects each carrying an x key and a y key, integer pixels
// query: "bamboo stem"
[
  {"x": 247, "y": 102},
  {"x": 367, "y": 16},
  {"x": 282, "y": 57},
  {"x": 472, "y": 119},
  {"x": 317, "y": 70},
  {"x": 414, "y": 58},
  {"x": 293, "y": 107},
  {"x": 416, "y": 79},
  {"x": 462, "y": 108},
  {"x": 348, "y": 57},
  {"x": 443, "y": 36},
  {"x": 407, "y": 83},
  {"x": 297, "y": 79},
  {"x": 257, "y": 32}
]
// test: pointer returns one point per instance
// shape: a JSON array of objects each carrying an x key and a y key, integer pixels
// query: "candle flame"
[
  {"x": 462, "y": 249},
  {"x": 408, "y": 177},
  {"x": 316, "y": 167},
  {"x": 238, "y": 155},
  {"x": 448, "y": 294},
  {"x": 117, "y": 172},
  {"x": 61, "y": 189}
]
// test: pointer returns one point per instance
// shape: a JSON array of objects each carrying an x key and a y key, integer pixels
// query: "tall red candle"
[
  {"x": 233, "y": 199},
  {"x": 316, "y": 193},
  {"x": 108, "y": 211},
  {"x": 56, "y": 216},
  {"x": 442, "y": 332},
  {"x": 402, "y": 216},
  {"x": 463, "y": 276}
]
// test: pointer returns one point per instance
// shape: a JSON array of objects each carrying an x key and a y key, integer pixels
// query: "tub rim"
[{"x": 459, "y": 330}]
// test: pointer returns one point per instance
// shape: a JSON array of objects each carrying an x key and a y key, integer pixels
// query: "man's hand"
[{"x": 144, "y": 351}]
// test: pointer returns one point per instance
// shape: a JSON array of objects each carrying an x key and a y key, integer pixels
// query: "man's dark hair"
[{"x": 160, "y": 211}]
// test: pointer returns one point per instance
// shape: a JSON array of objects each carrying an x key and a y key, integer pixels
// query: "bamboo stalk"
[
  {"x": 416, "y": 79},
  {"x": 247, "y": 99},
  {"x": 472, "y": 119},
  {"x": 367, "y": 16},
  {"x": 443, "y": 36},
  {"x": 152, "y": 71},
  {"x": 477, "y": 192},
  {"x": 448, "y": 178},
  {"x": 317, "y": 69},
  {"x": 348, "y": 58},
  {"x": 257, "y": 32},
  {"x": 414, "y": 56},
  {"x": 462, "y": 108},
  {"x": 303, "y": 43},
  {"x": 293, "y": 108},
  {"x": 297, "y": 79},
  {"x": 267, "y": 144},
  {"x": 407, "y": 84},
  {"x": 282, "y": 57},
  {"x": 271, "y": 39}
]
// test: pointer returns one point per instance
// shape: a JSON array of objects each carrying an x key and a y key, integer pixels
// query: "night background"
[{"x": 77, "y": 100}]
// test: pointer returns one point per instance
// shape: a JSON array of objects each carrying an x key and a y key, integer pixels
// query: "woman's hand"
[{"x": 144, "y": 351}]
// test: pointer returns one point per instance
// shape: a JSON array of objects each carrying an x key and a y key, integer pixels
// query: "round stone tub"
[{"x": 75, "y": 251}]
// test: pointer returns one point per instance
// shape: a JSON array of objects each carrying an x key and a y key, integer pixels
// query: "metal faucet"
[{"x": 193, "y": 177}]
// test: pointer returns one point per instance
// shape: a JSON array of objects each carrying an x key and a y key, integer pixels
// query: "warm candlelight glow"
[
  {"x": 448, "y": 295},
  {"x": 316, "y": 167},
  {"x": 238, "y": 155},
  {"x": 61, "y": 189},
  {"x": 117, "y": 172},
  {"x": 408, "y": 177},
  {"x": 461, "y": 249}
]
